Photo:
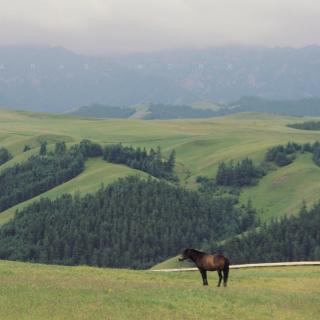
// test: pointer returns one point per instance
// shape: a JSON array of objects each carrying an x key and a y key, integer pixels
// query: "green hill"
[
  {"x": 200, "y": 145},
  {"x": 31, "y": 291},
  {"x": 206, "y": 109},
  {"x": 97, "y": 172}
]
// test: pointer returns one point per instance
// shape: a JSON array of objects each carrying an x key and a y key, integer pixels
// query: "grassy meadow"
[
  {"x": 200, "y": 145},
  {"x": 31, "y": 291}
]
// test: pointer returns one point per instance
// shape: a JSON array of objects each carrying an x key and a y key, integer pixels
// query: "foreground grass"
[
  {"x": 29, "y": 291},
  {"x": 173, "y": 263}
]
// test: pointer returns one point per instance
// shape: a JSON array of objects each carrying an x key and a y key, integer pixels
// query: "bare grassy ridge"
[{"x": 30, "y": 291}]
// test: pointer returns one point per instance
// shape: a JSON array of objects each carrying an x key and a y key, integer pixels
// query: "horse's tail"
[{"x": 226, "y": 269}]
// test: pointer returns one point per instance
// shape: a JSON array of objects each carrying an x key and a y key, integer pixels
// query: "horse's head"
[{"x": 185, "y": 254}]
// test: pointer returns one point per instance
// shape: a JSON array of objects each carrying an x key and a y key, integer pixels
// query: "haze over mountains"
[{"x": 56, "y": 80}]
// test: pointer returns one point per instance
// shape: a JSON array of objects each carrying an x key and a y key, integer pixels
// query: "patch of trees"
[
  {"x": 233, "y": 174},
  {"x": 151, "y": 162},
  {"x": 131, "y": 223},
  {"x": 290, "y": 239},
  {"x": 26, "y": 148},
  {"x": 239, "y": 174},
  {"x": 206, "y": 185},
  {"x": 307, "y": 125},
  {"x": 103, "y": 111},
  {"x": 5, "y": 155},
  {"x": 161, "y": 111},
  {"x": 90, "y": 149},
  {"x": 42, "y": 172},
  {"x": 283, "y": 155}
]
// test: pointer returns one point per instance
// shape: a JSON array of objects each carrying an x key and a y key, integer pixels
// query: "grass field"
[
  {"x": 29, "y": 291},
  {"x": 200, "y": 146},
  {"x": 173, "y": 263}
]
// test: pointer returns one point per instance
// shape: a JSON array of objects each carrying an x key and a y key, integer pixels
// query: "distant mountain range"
[
  {"x": 55, "y": 79},
  {"x": 302, "y": 107}
]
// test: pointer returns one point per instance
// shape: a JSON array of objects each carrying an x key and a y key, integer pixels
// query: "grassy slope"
[
  {"x": 282, "y": 191},
  {"x": 200, "y": 145},
  {"x": 34, "y": 292},
  {"x": 173, "y": 263},
  {"x": 97, "y": 172}
]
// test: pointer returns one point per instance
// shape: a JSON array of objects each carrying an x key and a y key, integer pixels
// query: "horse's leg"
[
  {"x": 204, "y": 276},
  {"x": 225, "y": 276},
  {"x": 220, "y": 278}
]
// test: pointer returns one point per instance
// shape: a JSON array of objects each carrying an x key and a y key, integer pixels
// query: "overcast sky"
[{"x": 101, "y": 26}]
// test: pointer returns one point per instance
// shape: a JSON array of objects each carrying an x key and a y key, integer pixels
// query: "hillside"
[
  {"x": 31, "y": 291},
  {"x": 199, "y": 144},
  {"x": 132, "y": 223},
  {"x": 301, "y": 107},
  {"x": 96, "y": 172}
]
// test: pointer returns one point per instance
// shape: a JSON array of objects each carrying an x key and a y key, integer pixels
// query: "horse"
[{"x": 206, "y": 262}]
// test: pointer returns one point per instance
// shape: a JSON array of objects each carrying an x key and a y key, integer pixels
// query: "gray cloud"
[{"x": 99, "y": 26}]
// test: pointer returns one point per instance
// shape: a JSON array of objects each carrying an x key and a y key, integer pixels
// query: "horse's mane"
[{"x": 198, "y": 252}]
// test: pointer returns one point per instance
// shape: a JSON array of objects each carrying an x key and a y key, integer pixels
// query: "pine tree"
[
  {"x": 43, "y": 148},
  {"x": 5, "y": 155}
]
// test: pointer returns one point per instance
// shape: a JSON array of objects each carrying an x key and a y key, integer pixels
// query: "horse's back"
[
  {"x": 220, "y": 261},
  {"x": 214, "y": 262}
]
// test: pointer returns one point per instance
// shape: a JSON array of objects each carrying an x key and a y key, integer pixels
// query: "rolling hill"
[
  {"x": 302, "y": 107},
  {"x": 200, "y": 145}
]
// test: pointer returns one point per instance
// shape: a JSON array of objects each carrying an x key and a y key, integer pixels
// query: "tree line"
[
  {"x": 233, "y": 174},
  {"x": 307, "y": 125},
  {"x": 282, "y": 155},
  {"x": 42, "y": 172},
  {"x": 290, "y": 239},
  {"x": 46, "y": 170},
  {"x": 239, "y": 174},
  {"x": 131, "y": 223},
  {"x": 151, "y": 162},
  {"x": 245, "y": 173}
]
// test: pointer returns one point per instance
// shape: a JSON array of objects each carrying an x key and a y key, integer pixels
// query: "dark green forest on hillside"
[
  {"x": 151, "y": 162},
  {"x": 239, "y": 174},
  {"x": 233, "y": 175},
  {"x": 290, "y": 239},
  {"x": 282, "y": 155},
  {"x": 131, "y": 223},
  {"x": 47, "y": 170},
  {"x": 307, "y": 125},
  {"x": 44, "y": 171}
]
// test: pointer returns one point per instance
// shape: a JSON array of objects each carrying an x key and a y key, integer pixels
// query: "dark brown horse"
[{"x": 206, "y": 262}]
